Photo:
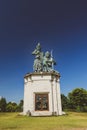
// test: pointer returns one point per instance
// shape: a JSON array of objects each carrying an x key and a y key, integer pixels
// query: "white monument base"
[{"x": 42, "y": 94}]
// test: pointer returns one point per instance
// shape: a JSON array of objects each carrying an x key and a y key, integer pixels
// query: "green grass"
[{"x": 72, "y": 121}]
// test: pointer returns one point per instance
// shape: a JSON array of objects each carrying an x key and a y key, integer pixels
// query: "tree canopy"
[
  {"x": 78, "y": 99},
  {"x": 3, "y": 104}
]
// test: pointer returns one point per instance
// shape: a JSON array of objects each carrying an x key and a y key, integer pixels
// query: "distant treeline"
[
  {"x": 75, "y": 101},
  {"x": 10, "y": 106}
]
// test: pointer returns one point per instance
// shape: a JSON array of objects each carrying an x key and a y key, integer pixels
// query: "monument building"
[{"x": 42, "y": 87}]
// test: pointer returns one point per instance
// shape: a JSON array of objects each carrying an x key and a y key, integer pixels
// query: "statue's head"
[
  {"x": 47, "y": 54},
  {"x": 38, "y": 46}
]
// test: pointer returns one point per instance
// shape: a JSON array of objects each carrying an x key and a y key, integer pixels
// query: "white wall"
[{"x": 42, "y": 83}]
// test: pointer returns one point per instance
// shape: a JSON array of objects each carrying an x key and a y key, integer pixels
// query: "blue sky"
[{"x": 58, "y": 26}]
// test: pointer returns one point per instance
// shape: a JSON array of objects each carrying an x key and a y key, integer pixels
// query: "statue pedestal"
[{"x": 42, "y": 94}]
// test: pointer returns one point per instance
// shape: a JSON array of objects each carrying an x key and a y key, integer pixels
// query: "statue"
[
  {"x": 37, "y": 64},
  {"x": 48, "y": 62},
  {"x": 37, "y": 51},
  {"x": 38, "y": 58},
  {"x": 42, "y": 62}
]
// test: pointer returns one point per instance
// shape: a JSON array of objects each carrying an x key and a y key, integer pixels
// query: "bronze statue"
[
  {"x": 38, "y": 58},
  {"x": 48, "y": 62},
  {"x": 43, "y": 62}
]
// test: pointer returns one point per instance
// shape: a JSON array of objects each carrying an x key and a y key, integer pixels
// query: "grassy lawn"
[{"x": 72, "y": 121}]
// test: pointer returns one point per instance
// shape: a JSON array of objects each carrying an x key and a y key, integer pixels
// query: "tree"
[
  {"x": 11, "y": 107},
  {"x": 78, "y": 99},
  {"x": 20, "y": 106},
  {"x": 64, "y": 101},
  {"x": 3, "y": 104}
]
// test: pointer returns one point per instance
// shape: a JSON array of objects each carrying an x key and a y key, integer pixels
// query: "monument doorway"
[{"x": 41, "y": 102}]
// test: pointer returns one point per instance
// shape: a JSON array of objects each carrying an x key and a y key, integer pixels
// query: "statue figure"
[
  {"x": 37, "y": 51},
  {"x": 42, "y": 62},
  {"x": 38, "y": 58},
  {"x": 48, "y": 62},
  {"x": 37, "y": 64}
]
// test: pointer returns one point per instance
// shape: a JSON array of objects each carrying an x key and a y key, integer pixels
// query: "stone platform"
[{"x": 42, "y": 94}]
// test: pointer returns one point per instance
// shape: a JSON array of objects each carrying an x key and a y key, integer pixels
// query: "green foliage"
[
  {"x": 10, "y": 106},
  {"x": 20, "y": 106},
  {"x": 13, "y": 107},
  {"x": 78, "y": 99},
  {"x": 2, "y": 104},
  {"x": 75, "y": 101},
  {"x": 64, "y": 101}
]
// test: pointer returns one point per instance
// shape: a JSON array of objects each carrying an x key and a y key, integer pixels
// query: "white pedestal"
[{"x": 44, "y": 83}]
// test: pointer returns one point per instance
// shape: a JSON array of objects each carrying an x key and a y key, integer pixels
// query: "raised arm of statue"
[{"x": 37, "y": 49}]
